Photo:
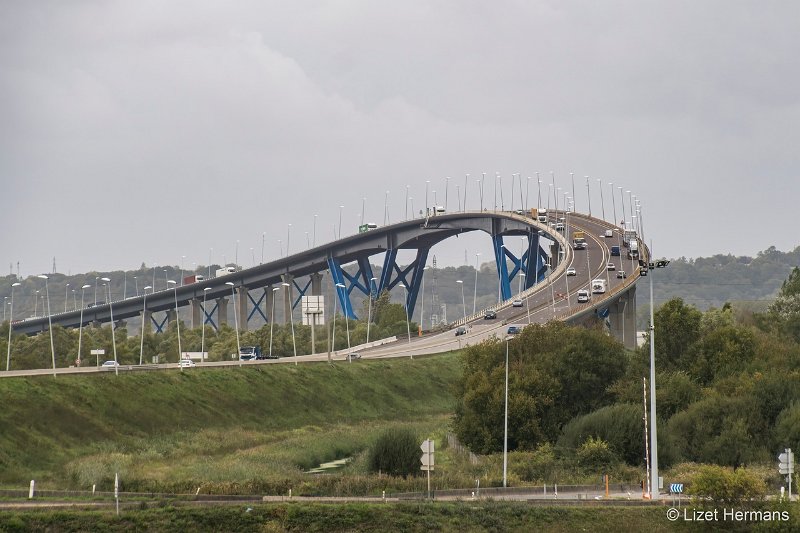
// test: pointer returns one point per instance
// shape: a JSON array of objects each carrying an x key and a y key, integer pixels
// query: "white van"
[
  {"x": 583, "y": 296},
  {"x": 438, "y": 210}
]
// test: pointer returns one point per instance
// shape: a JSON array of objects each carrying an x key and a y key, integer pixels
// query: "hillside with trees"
[{"x": 728, "y": 388}]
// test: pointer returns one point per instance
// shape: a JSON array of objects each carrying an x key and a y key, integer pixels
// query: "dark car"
[
  {"x": 461, "y": 330},
  {"x": 489, "y": 315},
  {"x": 513, "y": 330}
]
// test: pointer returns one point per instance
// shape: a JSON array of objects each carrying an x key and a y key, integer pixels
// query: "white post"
[{"x": 31, "y": 490}]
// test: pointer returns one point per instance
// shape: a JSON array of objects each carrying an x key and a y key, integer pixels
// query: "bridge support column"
[
  {"x": 222, "y": 311},
  {"x": 172, "y": 316},
  {"x": 316, "y": 284},
  {"x": 288, "y": 297},
  {"x": 622, "y": 318},
  {"x": 241, "y": 305},
  {"x": 197, "y": 313}
]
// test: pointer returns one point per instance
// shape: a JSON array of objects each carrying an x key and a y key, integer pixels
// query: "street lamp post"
[
  {"x": 113, "y": 335},
  {"x": 235, "y": 323},
  {"x": 463, "y": 304},
  {"x": 422, "y": 304},
  {"x": 369, "y": 305},
  {"x": 291, "y": 321},
  {"x": 344, "y": 312},
  {"x": 50, "y": 322},
  {"x": 10, "y": 325},
  {"x": 203, "y": 326},
  {"x": 80, "y": 325},
  {"x": 588, "y": 195},
  {"x": 144, "y": 314},
  {"x": 66, "y": 297},
  {"x": 178, "y": 321},
  {"x": 505, "y": 424},
  {"x": 475, "y": 291},
  {"x": 602, "y": 202},
  {"x": 408, "y": 319},
  {"x": 272, "y": 319}
]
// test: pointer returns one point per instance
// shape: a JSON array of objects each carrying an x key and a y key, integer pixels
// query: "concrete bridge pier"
[
  {"x": 316, "y": 284},
  {"x": 196, "y": 307},
  {"x": 222, "y": 311},
  {"x": 241, "y": 307},
  {"x": 172, "y": 315},
  {"x": 622, "y": 318}
]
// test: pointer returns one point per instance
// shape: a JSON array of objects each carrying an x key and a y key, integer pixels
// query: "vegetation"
[
  {"x": 727, "y": 486},
  {"x": 368, "y": 517},
  {"x": 396, "y": 452},
  {"x": 728, "y": 390}
]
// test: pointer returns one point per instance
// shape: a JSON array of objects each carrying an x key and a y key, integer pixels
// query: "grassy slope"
[{"x": 45, "y": 422}]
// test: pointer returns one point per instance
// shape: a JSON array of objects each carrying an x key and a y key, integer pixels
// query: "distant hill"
[{"x": 707, "y": 282}]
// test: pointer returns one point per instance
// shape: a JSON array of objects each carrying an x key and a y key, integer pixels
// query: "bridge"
[{"x": 541, "y": 272}]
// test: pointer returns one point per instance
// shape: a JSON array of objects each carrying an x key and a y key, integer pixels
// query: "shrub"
[
  {"x": 724, "y": 485},
  {"x": 396, "y": 452},
  {"x": 595, "y": 453}
]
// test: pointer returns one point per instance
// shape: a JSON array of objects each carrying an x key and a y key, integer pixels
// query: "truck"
[
  {"x": 542, "y": 215},
  {"x": 224, "y": 271},
  {"x": 363, "y": 228},
  {"x": 579, "y": 240},
  {"x": 598, "y": 286},
  {"x": 633, "y": 249},
  {"x": 627, "y": 235},
  {"x": 437, "y": 210},
  {"x": 534, "y": 213},
  {"x": 195, "y": 356},
  {"x": 194, "y": 278}
]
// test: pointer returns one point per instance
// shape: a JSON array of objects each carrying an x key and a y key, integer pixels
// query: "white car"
[
  {"x": 610, "y": 266},
  {"x": 583, "y": 296},
  {"x": 516, "y": 303},
  {"x": 571, "y": 271},
  {"x": 110, "y": 364},
  {"x": 187, "y": 363},
  {"x": 621, "y": 274}
]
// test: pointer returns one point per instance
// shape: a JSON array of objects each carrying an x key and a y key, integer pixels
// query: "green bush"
[
  {"x": 396, "y": 452},
  {"x": 724, "y": 485},
  {"x": 595, "y": 453}
]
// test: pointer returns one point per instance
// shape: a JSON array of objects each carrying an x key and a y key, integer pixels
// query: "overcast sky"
[{"x": 148, "y": 131}]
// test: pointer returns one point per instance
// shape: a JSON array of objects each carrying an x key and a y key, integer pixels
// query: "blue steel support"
[
  {"x": 535, "y": 261},
  {"x": 257, "y": 306},
  {"x": 502, "y": 267},
  {"x": 159, "y": 326},
  {"x": 208, "y": 315},
  {"x": 392, "y": 275},
  {"x": 301, "y": 291},
  {"x": 338, "y": 279}
]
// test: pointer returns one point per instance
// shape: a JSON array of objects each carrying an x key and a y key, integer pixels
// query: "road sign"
[
  {"x": 98, "y": 352},
  {"x": 786, "y": 462},
  {"x": 427, "y": 455},
  {"x": 676, "y": 488}
]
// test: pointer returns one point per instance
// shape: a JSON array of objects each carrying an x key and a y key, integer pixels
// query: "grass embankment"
[
  {"x": 445, "y": 517},
  {"x": 179, "y": 429}
]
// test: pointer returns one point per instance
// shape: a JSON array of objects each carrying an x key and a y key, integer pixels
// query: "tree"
[
  {"x": 784, "y": 313},
  {"x": 677, "y": 329},
  {"x": 555, "y": 373}
]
